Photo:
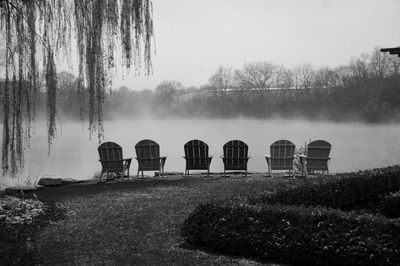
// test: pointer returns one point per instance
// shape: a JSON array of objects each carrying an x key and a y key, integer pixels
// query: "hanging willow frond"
[
  {"x": 51, "y": 85},
  {"x": 96, "y": 25}
]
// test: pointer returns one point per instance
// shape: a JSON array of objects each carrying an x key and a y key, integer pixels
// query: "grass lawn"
[{"x": 136, "y": 223}]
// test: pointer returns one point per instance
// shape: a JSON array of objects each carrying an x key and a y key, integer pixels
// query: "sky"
[{"x": 193, "y": 38}]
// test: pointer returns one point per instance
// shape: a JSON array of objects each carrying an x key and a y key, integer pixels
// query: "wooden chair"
[
  {"x": 235, "y": 156},
  {"x": 196, "y": 155},
  {"x": 111, "y": 159},
  {"x": 281, "y": 157},
  {"x": 148, "y": 157},
  {"x": 317, "y": 157}
]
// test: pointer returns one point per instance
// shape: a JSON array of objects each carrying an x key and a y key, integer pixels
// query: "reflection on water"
[{"x": 354, "y": 146}]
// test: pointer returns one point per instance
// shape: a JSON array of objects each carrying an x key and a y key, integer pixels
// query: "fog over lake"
[{"x": 354, "y": 146}]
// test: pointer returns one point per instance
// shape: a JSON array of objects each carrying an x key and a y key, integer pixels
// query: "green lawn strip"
[{"x": 139, "y": 226}]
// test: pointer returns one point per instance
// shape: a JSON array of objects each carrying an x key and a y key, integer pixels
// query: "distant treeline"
[{"x": 367, "y": 89}]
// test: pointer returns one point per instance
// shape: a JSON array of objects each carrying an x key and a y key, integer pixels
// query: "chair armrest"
[
  {"x": 128, "y": 162},
  {"x": 318, "y": 158},
  {"x": 248, "y": 157},
  {"x": 162, "y": 160},
  {"x": 115, "y": 160},
  {"x": 197, "y": 157}
]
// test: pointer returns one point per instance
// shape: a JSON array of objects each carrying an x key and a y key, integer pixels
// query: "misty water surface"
[{"x": 73, "y": 155}]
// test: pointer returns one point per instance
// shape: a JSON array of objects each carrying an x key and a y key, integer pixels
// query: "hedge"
[
  {"x": 295, "y": 235},
  {"x": 344, "y": 191},
  {"x": 390, "y": 206}
]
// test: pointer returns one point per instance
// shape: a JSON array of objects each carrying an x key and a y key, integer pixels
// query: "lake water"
[{"x": 73, "y": 155}]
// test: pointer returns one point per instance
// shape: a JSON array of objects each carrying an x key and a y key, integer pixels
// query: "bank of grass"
[{"x": 136, "y": 223}]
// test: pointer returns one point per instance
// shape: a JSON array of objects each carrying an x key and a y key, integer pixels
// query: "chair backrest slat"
[
  {"x": 318, "y": 155},
  {"x": 282, "y": 155},
  {"x": 148, "y": 155},
  {"x": 110, "y": 154},
  {"x": 235, "y": 155},
  {"x": 196, "y": 155}
]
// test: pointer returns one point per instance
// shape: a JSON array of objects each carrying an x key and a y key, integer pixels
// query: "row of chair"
[{"x": 235, "y": 157}]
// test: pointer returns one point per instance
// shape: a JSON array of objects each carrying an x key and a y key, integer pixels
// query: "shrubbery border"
[
  {"x": 310, "y": 224},
  {"x": 292, "y": 234}
]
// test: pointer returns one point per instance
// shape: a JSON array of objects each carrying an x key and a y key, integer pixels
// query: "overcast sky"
[{"x": 194, "y": 37}]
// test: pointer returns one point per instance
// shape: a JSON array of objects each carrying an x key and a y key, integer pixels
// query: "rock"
[
  {"x": 19, "y": 190},
  {"x": 67, "y": 181},
  {"x": 45, "y": 181},
  {"x": 40, "y": 187}
]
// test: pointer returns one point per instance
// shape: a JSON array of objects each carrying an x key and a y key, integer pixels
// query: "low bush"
[
  {"x": 19, "y": 221},
  {"x": 295, "y": 235},
  {"x": 390, "y": 206},
  {"x": 344, "y": 191}
]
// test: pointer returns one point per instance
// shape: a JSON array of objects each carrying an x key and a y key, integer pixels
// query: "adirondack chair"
[
  {"x": 235, "y": 156},
  {"x": 112, "y": 161},
  {"x": 281, "y": 157},
  {"x": 148, "y": 157},
  {"x": 317, "y": 157},
  {"x": 196, "y": 155}
]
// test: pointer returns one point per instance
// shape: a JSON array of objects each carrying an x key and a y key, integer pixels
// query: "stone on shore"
[
  {"x": 45, "y": 181},
  {"x": 67, "y": 181}
]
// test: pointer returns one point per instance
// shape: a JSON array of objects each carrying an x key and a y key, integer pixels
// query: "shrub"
[
  {"x": 298, "y": 235},
  {"x": 19, "y": 221},
  {"x": 390, "y": 206},
  {"x": 345, "y": 191}
]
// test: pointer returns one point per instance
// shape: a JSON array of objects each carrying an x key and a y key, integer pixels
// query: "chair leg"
[
  {"x": 138, "y": 172},
  {"x": 101, "y": 175}
]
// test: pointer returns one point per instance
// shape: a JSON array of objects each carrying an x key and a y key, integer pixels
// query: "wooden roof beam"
[{"x": 393, "y": 50}]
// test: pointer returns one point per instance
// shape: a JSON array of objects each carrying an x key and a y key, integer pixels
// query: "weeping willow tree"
[{"x": 38, "y": 33}]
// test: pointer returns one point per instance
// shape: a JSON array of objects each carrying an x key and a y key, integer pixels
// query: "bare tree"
[
  {"x": 222, "y": 79},
  {"x": 379, "y": 63},
  {"x": 167, "y": 92},
  {"x": 359, "y": 68},
  {"x": 306, "y": 76},
  {"x": 257, "y": 76},
  {"x": 394, "y": 65},
  {"x": 325, "y": 79}
]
